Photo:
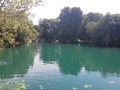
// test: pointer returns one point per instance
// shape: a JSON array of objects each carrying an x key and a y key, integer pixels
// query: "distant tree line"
[{"x": 72, "y": 26}]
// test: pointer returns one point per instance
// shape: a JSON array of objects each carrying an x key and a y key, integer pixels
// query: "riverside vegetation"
[
  {"x": 15, "y": 26},
  {"x": 16, "y": 29},
  {"x": 72, "y": 26}
]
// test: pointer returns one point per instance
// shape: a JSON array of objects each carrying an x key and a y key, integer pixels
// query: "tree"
[
  {"x": 18, "y": 5},
  {"x": 15, "y": 27},
  {"x": 111, "y": 26},
  {"x": 115, "y": 32},
  {"x": 90, "y": 23},
  {"x": 92, "y": 28},
  {"x": 48, "y": 29},
  {"x": 15, "y": 30},
  {"x": 70, "y": 20},
  {"x": 93, "y": 17},
  {"x": 105, "y": 32}
]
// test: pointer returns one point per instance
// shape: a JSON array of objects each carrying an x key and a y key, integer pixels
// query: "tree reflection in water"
[
  {"x": 17, "y": 61},
  {"x": 71, "y": 58}
]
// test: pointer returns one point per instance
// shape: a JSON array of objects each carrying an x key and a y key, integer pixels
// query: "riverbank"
[{"x": 88, "y": 43}]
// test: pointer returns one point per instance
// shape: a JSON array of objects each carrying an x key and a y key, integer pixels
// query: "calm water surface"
[{"x": 62, "y": 67}]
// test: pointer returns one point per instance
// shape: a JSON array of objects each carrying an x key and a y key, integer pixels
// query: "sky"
[{"x": 51, "y": 8}]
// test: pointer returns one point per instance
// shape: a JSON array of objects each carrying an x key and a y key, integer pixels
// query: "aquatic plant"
[{"x": 13, "y": 85}]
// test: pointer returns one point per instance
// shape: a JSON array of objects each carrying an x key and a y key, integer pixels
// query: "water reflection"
[
  {"x": 16, "y": 61},
  {"x": 71, "y": 58}
]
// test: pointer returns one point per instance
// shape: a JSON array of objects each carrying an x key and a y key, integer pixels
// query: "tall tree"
[{"x": 70, "y": 20}]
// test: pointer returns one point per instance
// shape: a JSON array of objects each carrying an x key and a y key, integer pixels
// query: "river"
[{"x": 62, "y": 67}]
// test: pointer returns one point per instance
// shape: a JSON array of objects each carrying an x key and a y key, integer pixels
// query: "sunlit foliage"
[{"x": 15, "y": 29}]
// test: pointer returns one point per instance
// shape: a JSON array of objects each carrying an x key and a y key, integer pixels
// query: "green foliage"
[
  {"x": 90, "y": 17},
  {"x": 111, "y": 29},
  {"x": 48, "y": 29},
  {"x": 15, "y": 30},
  {"x": 71, "y": 22},
  {"x": 18, "y": 5},
  {"x": 65, "y": 29},
  {"x": 73, "y": 27},
  {"x": 15, "y": 27}
]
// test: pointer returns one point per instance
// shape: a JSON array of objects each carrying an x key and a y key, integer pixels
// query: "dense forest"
[{"x": 72, "y": 26}]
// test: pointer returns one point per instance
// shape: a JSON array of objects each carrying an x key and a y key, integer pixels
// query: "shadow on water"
[{"x": 71, "y": 58}]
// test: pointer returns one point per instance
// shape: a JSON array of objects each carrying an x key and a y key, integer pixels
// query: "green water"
[{"x": 62, "y": 67}]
